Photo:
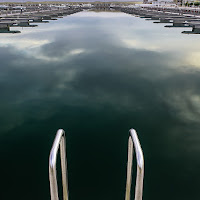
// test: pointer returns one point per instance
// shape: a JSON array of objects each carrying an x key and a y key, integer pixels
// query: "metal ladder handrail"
[
  {"x": 133, "y": 142},
  {"x": 58, "y": 141}
]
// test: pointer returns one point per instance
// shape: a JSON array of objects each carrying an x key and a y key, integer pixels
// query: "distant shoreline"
[
  {"x": 71, "y": 2},
  {"x": 64, "y": 2}
]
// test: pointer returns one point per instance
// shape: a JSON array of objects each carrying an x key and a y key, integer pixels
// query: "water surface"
[{"x": 96, "y": 75}]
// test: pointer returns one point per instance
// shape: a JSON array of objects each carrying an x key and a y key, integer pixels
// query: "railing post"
[
  {"x": 134, "y": 144},
  {"x": 58, "y": 141}
]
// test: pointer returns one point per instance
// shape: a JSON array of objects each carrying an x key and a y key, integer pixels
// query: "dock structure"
[
  {"x": 195, "y": 29},
  {"x": 172, "y": 17},
  {"x": 30, "y": 15},
  {"x": 5, "y": 28}
]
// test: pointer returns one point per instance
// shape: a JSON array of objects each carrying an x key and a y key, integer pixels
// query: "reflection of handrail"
[
  {"x": 58, "y": 141},
  {"x": 133, "y": 142}
]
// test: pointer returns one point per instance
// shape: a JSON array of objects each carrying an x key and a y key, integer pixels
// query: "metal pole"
[
  {"x": 133, "y": 143},
  {"x": 58, "y": 141}
]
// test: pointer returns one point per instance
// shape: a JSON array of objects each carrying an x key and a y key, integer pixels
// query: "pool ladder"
[{"x": 60, "y": 141}]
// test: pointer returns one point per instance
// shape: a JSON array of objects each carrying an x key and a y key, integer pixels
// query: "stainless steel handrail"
[
  {"x": 133, "y": 142},
  {"x": 58, "y": 141}
]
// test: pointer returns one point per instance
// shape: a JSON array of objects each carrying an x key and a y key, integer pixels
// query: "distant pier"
[
  {"x": 24, "y": 16},
  {"x": 29, "y": 15},
  {"x": 173, "y": 17}
]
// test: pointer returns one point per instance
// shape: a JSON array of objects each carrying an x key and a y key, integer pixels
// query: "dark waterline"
[{"x": 96, "y": 75}]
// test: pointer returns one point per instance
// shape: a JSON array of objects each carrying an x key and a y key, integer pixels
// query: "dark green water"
[{"x": 96, "y": 75}]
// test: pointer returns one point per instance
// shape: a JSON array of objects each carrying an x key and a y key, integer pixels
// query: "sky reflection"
[{"x": 97, "y": 75}]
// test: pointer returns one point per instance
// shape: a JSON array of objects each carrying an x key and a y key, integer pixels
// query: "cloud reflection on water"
[
  {"x": 94, "y": 66},
  {"x": 118, "y": 65}
]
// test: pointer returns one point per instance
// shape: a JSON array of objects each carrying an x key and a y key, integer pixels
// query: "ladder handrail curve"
[
  {"x": 59, "y": 141},
  {"x": 134, "y": 144}
]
